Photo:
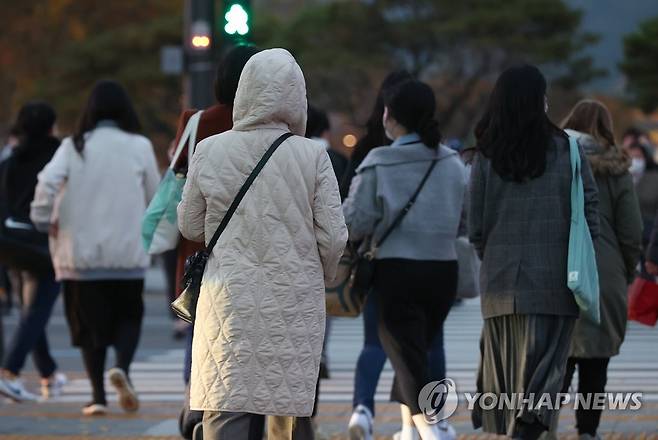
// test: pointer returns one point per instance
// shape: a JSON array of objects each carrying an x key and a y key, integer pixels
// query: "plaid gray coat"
[{"x": 521, "y": 231}]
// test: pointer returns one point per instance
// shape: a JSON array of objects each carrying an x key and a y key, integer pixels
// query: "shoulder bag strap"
[
  {"x": 406, "y": 208},
  {"x": 576, "y": 180},
  {"x": 244, "y": 189},
  {"x": 191, "y": 143},
  {"x": 187, "y": 137}
]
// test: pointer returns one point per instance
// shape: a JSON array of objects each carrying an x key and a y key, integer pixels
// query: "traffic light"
[
  {"x": 200, "y": 36},
  {"x": 235, "y": 20}
]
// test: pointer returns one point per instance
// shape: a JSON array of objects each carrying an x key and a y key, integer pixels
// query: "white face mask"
[{"x": 637, "y": 168}]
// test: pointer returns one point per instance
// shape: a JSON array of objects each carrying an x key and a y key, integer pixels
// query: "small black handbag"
[
  {"x": 23, "y": 247},
  {"x": 185, "y": 305},
  {"x": 346, "y": 295}
]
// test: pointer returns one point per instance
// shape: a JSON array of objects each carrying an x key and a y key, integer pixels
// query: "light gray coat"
[
  {"x": 521, "y": 232},
  {"x": 385, "y": 182}
]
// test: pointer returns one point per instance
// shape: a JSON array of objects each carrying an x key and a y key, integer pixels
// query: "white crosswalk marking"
[
  {"x": 158, "y": 378},
  {"x": 633, "y": 370}
]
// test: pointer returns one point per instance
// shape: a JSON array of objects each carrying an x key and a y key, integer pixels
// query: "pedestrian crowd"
[{"x": 271, "y": 222}]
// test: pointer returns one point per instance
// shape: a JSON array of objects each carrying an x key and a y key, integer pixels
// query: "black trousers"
[
  {"x": 414, "y": 300},
  {"x": 592, "y": 378},
  {"x": 170, "y": 260},
  {"x": 100, "y": 314}
]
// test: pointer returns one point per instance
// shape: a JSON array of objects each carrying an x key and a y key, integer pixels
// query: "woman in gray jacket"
[
  {"x": 618, "y": 250},
  {"x": 519, "y": 221},
  {"x": 416, "y": 268}
]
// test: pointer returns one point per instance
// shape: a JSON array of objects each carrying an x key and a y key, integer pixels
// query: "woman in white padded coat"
[{"x": 260, "y": 317}]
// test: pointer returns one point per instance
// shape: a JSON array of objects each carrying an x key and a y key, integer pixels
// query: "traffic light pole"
[{"x": 199, "y": 78}]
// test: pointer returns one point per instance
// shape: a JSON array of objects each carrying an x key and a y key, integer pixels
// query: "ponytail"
[
  {"x": 429, "y": 133},
  {"x": 412, "y": 104}
]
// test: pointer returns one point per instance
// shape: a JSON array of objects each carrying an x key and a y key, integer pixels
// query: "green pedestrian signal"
[{"x": 236, "y": 20}]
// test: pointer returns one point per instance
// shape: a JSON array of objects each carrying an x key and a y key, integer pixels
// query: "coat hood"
[
  {"x": 271, "y": 94},
  {"x": 609, "y": 160}
]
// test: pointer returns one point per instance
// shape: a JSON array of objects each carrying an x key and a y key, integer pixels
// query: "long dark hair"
[
  {"x": 413, "y": 105},
  {"x": 108, "y": 100},
  {"x": 515, "y": 132},
  {"x": 375, "y": 136}
]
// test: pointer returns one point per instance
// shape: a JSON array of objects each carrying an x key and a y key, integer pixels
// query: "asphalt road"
[{"x": 157, "y": 374}]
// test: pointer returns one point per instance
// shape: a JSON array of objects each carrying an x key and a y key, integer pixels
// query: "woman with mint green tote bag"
[{"x": 582, "y": 272}]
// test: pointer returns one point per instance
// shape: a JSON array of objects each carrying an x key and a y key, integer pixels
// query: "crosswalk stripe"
[{"x": 158, "y": 376}]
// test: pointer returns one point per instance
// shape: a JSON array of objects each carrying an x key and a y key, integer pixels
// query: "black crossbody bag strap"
[
  {"x": 244, "y": 189},
  {"x": 408, "y": 206}
]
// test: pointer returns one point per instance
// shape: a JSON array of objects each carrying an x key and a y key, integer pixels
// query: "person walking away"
[
  {"x": 618, "y": 251},
  {"x": 318, "y": 128},
  {"x": 651, "y": 256},
  {"x": 415, "y": 277},
  {"x": 103, "y": 178},
  {"x": 216, "y": 119},
  {"x": 6, "y": 294},
  {"x": 519, "y": 222},
  {"x": 645, "y": 176},
  {"x": 375, "y": 135},
  {"x": 260, "y": 317},
  {"x": 39, "y": 291},
  {"x": 372, "y": 357}
]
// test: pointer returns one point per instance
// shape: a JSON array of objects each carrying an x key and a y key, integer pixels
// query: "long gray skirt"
[{"x": 521, "y": 354}]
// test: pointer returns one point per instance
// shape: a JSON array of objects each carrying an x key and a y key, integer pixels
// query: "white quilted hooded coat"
[{"x": 260, "y": 317}]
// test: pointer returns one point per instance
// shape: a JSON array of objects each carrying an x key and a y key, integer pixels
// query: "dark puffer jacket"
[
  {"x": 618, "y": 249},
  {"x": 18, "y": 175}
]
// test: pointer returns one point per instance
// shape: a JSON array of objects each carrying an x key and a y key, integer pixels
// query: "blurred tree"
[
  {"x": 641, "y": 65},
  {"x": 340, "y": 45},
  {"x": 459, "y": 47},
  {"x": 56, "y": 49}
]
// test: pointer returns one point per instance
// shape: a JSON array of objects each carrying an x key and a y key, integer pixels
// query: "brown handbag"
[{"x": 346, "y": 295}]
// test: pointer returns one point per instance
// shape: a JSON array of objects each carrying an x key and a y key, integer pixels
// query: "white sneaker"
[
  {"x": 360, "y": 426},
  {"x": 414, "y": 435},
  {"x": 15, "y": 390},
  {"x": 53, "y": 387},
  {"x": 446, "y": 431},
  {"x": 94, "y": 409},
  {"x": 127, "y": 396}
]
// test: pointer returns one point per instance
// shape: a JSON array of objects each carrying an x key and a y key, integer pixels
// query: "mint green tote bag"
[
  {"x": 160, "y": 221},
  {"x": 582, "y": 272}
]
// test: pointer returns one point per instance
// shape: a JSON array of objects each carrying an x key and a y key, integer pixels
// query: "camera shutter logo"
[{"x": 438, "y": 400}]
